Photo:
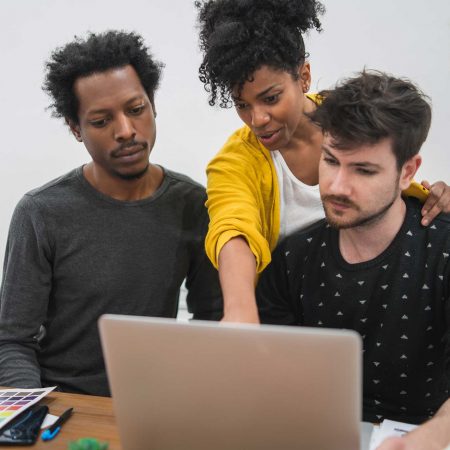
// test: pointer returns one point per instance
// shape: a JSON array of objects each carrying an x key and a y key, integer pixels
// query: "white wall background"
[{"x": 405, "y": 37}]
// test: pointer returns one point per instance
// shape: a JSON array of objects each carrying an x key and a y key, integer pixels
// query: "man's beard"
[
  {"x": 124, "y": 146},
  {"x": 358, "y": 221},
  {"x": 132, "y": 176}
]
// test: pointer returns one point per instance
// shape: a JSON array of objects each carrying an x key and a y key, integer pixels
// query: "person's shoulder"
[
  {"x": 241, "y": 155},
  {"x": 243, "y": 143},
  {"x": 188, "y": 197},
  {"x": 53, "y": 191},
  {"x": 48, "y": 198},
  {"x": 243, "y": 135},
  {"x": 182, "y": 180},
  {"x": 55, "y": 186},
  {"x": 443, "y": 219},
  {"x": 441, "y": 226},
  {"x": 441, "y": 223},
  {"x": 435, "y": 237},
  {"x": 181, "y": 186}
]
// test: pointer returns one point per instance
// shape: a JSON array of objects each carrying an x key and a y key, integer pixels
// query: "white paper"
[{"x": 389, "y": 428}]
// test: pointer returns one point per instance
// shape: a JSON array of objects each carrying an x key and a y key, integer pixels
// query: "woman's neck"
[{"x": 302, "y": 154}]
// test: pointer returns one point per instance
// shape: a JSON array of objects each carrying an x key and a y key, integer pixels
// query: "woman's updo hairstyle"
[{"x": 238, "y": 37}]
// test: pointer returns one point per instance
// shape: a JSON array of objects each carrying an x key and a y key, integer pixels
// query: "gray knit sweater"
[{"x": 74, "y": 254}]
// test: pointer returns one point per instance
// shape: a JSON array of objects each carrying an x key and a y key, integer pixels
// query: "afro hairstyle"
[{"x": 95, "y": 54}]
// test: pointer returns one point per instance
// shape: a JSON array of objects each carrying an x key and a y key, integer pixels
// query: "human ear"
[
  {"x": 75, "y": 129},
  {"x": 408, "y": 171},
  {"x": 152, "y": 103},
  {"x": 304, "y": 73}
]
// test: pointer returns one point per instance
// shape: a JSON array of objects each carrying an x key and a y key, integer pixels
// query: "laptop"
[{"x": 213, "y": 386}]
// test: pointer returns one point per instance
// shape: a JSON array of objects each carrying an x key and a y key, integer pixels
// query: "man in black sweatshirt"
[{"x": 371, "y": 266}]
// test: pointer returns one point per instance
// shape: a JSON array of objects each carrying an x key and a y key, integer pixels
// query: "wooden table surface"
[{"x": 92, "y": 417}]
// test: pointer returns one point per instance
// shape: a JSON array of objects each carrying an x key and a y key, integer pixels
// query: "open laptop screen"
[{"x": 203, "y": 385}]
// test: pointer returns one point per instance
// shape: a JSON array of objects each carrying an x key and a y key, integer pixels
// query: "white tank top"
[{"x": 300, "y": 204}]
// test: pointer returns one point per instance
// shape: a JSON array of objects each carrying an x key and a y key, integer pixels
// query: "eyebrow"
[
  {"x": 105, "y": 110},
  {"x": 354, "y": 164},
  {"x": 261, "y": 94}
]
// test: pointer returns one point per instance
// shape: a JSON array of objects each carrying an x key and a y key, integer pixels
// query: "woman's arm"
[{"x": 237, "y": 273}]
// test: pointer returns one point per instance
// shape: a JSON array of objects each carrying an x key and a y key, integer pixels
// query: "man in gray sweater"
[{"x": 117, "y": 235}]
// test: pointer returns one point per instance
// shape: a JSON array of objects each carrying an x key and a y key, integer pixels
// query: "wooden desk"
[{"x": 92, "y": 417}]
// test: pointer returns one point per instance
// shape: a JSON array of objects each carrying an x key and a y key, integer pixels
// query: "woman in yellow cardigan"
[{"x": 263, "y": 184}]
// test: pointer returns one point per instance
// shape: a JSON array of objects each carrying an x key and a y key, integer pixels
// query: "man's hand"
[
  {"x": 408, "y": 443},
  {"x": 394, "y": 443},
  {"x": 438, "y": 201},
  {"x": 432, "y": 435}
]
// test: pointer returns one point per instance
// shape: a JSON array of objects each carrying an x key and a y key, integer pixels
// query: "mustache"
[
  {"x": 125, "y": 145},
  {"x": 339, "y": 199}
]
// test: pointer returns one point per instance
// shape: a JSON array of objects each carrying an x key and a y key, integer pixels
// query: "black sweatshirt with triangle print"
[{"x": 398, "y": 302}]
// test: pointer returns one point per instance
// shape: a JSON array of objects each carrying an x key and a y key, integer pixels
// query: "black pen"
[{"x": 53, "y": 430}]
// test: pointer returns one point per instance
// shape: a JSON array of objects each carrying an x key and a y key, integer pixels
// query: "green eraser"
[{"x": 88, "y": 444}]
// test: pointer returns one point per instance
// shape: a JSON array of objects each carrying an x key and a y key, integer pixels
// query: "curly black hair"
[
  {"x": 373, "y": 106},
  {"x": 237, "y": 37},
  {"x": 97, "y": 53}
]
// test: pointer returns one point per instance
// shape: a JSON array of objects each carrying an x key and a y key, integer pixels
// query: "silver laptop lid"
[{"x": 210, "y": 386}]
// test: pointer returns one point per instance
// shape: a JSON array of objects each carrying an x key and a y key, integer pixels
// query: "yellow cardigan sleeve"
[{"x": 243, "y": 198}]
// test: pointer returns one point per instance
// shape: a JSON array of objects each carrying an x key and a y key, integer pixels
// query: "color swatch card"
[{"x": 14, "y": 401}]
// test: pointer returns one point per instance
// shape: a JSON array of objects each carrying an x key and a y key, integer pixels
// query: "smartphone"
[
  {"x": 417, "y": 190},
  {"x": 24, "y": 429}
]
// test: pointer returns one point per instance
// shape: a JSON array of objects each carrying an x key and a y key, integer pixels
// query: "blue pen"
[{"x": 53, "y": 430}]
